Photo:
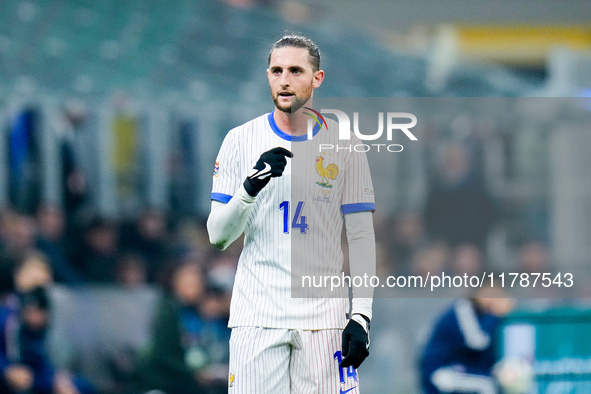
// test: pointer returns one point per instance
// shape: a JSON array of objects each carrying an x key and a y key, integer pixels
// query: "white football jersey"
[{"x": 296, "y": 223}]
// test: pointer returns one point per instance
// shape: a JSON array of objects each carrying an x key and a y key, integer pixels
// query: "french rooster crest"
[{"x": 329, "y": 173}]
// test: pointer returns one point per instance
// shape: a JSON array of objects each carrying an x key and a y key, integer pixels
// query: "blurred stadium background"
[{"x": 111, "y": 114}]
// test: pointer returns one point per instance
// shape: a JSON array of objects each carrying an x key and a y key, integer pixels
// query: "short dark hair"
[{"x": 299, "y": 41}]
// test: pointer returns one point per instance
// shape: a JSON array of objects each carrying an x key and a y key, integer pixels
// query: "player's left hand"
[{"x": 355, "y": 341}]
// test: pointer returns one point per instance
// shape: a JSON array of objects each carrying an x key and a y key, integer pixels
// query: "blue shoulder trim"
[{"x": 358, "y": 207}]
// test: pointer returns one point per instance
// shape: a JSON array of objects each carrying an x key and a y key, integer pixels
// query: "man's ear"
[{"x": 318, "y": 78}]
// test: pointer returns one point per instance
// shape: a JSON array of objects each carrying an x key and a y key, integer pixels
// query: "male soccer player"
[{"x": 280, "y": 343}]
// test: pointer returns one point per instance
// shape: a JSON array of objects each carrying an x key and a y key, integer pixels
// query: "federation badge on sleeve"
[{"x": 216, "y": 169}]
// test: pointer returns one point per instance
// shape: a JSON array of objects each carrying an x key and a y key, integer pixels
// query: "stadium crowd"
[
  {"x": 49, "y": 246},
  {"x": 41, "y": 251}
]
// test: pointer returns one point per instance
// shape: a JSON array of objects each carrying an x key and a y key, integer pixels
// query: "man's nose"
[{"x": 284, "y": 80}]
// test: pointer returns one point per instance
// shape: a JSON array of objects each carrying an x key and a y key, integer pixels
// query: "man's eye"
[{"x": 277, "y": 72}]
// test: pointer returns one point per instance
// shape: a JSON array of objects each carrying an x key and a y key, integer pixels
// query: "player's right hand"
[{"x": 270, "y": 165}]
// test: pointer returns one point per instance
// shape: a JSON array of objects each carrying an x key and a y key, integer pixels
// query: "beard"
[{"x": 296, "y": 102}]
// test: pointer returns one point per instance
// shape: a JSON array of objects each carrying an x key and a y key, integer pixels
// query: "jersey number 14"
[{"x": 298, "y": 222}]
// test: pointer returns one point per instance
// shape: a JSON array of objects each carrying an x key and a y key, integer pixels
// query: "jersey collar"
[{"x": 288, "y": 137}]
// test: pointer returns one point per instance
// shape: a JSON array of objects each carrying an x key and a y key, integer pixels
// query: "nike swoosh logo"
[
  {"x": 264, "y": 173},
  {"x": 346, "y": 391}
]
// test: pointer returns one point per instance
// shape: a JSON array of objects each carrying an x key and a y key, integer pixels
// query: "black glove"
[
  {"x": 355, "y": 343},
  {"x": 270, "y": 165}
]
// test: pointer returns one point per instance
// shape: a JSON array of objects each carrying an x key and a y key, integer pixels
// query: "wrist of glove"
[
  {"x": 270, "y": 165},
  {"x": 355, "y": 346}
]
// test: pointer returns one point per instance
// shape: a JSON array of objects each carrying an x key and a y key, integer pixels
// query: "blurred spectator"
[
  {"x": 51, "y": 241},
  {"x": 32, "y": 271},
  {"x": 222, "y": 272},
  {"x": 24, "y": 364},
  {"x": 533, "y": 257},
  {"x": 24, "y": 159},
  {"x": 97, "y": 253},
  {"x": 467, "y": 259},
  {"x": 430, "y": 260},
  {"x": 192, "y": 236},
  {"x": 215, "y": 308},
  {"x": 74, "y": 182},
  {"x": 458, "y": 208},
  {"x": 149, "y": 239},
  {"x": 408, "y": 236},
  {"x": 130, "y": 271},
  {"x": 461, "y": 352},
  {"x": 179, "y": 359},
  {"x": 19, "y": 235}
]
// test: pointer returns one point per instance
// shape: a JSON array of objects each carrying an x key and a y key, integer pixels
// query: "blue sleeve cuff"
[
  {"x": 358, "y": 207},
  {"x": 221, "y": 197}
]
